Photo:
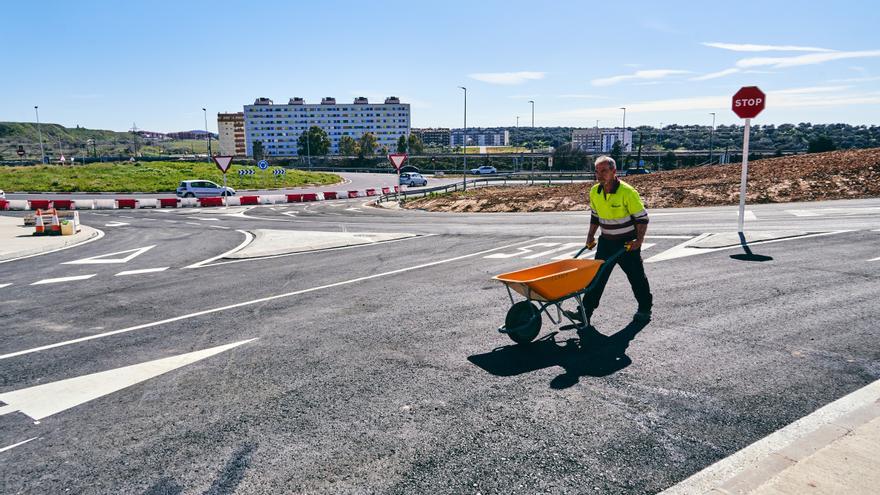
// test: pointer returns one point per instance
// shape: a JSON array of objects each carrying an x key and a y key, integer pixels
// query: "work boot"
[{"x": 576, "y": 316}]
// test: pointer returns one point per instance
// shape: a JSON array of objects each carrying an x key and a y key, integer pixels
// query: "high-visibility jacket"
[{"x": 617, "y": 211}]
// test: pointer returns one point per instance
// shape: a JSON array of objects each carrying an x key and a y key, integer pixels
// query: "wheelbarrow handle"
[{"x": 585, "y": 248}]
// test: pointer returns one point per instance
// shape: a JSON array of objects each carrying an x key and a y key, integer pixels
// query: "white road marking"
[
  {"x": 248, "y": 237},
  {"x": 205, "y": 218},
  {"x": 115, "y": 224},
  {"x": 170, "y": 221},
  {"x": 63, "y": 279},
  {"x": 568, "y": 245},
  {"x": 804, "y": 213},
  {"x": 755, "y": 454},
  {"x": 125, "y": 216},
  {"x": 356, "y": 210},
  {"x": 683, "y": 250},
  {"x": 749, "y": 215},
  {"x": 4, "y": 285},
  {"x": 4, "y": 449},
  {"x": 100, "y": 235},
  {"x": 193, "y": 223},
  {"x": 521, "y": 250},
  {"x": 817, "y": 212},
  {"x": 42, "y": 401},
  {"x": 219, "y": 227},
  {"x": 101, "y": 214},
  {"x": 138, "y": 272},
  {"x": 252, "y": 302},
  {"x": 872, "y": 259},
  {"x": 107, "y": 258}
]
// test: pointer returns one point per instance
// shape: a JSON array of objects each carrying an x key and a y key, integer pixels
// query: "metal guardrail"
[{"x": 519, "y": 178}]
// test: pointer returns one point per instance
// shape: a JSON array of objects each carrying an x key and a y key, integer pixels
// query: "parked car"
[
  {"x": 484, "y": 170},
  {"x": 2, "y": 194},
  {"x": 202, "y": 189},
  {"x": 412, "y": 179}
]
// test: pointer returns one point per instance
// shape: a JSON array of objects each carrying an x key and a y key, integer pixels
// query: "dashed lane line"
[
  {"x": 205, "y": 218},
  {"x": 144, "y": 270},
  {"x": 193, "y": 223},
  {"x": 218, "y": 227},
  {"x": 10, "y": 447},
  {"x": 4, "y": 285},
  {"x": 170, "y": 221},
  {"x": 63, "y": 279}
]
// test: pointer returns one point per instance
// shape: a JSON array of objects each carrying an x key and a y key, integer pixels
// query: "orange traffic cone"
[
  {"x": 56, "y": 225},
  {"x": 38, "y": 221}
]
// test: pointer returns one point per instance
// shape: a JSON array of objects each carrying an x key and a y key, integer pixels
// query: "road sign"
[
  {"x": 223, "y": 163},
  {"x": 278, "y": 171},
  {"x": 246, "y": 171},
  {"x": 263, "y": 164},
  {"x": 20, "y": 150},
  {"x": 748, "y": 102},
  {"x": 397, "y": 159}
]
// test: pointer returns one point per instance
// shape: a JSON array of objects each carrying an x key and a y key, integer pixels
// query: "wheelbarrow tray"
[{"x": 552, "y": 281}]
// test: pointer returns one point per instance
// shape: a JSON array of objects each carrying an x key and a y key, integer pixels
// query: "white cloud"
[
  {"x": 716, "y": 75},
  {"x": 640, "y": 74},
  {"x": 855, "y": 79},
  {"x": 745, "y": 47},
  {"x": 809, "y": 59},
  {"x": 807, "y": 97},
  {"x": 507, "y": 78}
]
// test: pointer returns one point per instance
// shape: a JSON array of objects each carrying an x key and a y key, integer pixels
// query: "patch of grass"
[{"x": 147, "y": 177}]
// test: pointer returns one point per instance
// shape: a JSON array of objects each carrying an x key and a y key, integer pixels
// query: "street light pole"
[
  {"x": 623, "y": 137},
  {"x": 464, "y": 147},
  {"x": 533, "y": 113},
  {"x": 711, "y": 138},
  {"x": 40, "y": 133}
]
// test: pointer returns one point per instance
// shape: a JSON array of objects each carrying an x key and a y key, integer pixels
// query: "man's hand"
[
  {"x": 634, "y": 245},
  {"x": 591, "y": 242}
]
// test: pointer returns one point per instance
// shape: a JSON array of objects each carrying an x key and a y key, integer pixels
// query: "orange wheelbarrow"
[{"x": 549, "y": 285}]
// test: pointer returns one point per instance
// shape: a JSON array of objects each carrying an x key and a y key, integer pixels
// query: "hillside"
[{"x": 846, "y": 174}]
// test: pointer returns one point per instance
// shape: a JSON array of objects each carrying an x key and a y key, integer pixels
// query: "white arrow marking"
[
  {"x": 45, "y": 400},
  {"x": 568, "y": 245},
  {"x": 115, "y": 224},
  {"x": 107, "y": 258},
  {"x": 4, "y": 449},
  {"x": 804, "y": 213},
  {"x": 749, "y": 215},
  {"x": 4, "y": 285},
  {"x": 63, "y": 279}
]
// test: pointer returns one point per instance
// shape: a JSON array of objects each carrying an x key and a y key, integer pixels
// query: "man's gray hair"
[{"x": 605, "y": 159}]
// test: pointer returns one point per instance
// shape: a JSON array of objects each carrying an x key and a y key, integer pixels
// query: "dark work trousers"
[{"x": 631, "y": 263}]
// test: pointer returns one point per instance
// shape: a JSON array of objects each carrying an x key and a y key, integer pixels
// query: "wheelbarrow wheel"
[{"x": 523, "y": 322}]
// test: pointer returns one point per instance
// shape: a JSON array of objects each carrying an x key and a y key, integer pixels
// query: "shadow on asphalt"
[
  {"x": 591, "y": 354},
  {"x": 748, "y": 255}
]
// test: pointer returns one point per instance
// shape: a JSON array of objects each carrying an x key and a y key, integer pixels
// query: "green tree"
[
  {"x": 820, "y": 144},
  {"x": 318, "y": 143},
  {"x": 616, "y": 153},
  {"x": 416, "y": 147},
  {"x": 367, "y": 144},
  {"x": 401, "y": 144},
  {"x": 348, "y": 146},
  {"x": 258, "y": 150}
]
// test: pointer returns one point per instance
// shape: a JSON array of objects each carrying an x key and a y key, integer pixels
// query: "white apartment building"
[
  {"x": 478, "y": 136},
  {"x": 596, "y": 140},
  {"x": 279, "y": 126}
]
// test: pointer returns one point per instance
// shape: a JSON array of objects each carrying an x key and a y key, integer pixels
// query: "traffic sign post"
[
  {"x": 748, "y": 102},
  {"x": 397, "y": 160},
  {"x": 223, "y": 163},
  {"x": 263, "y": 164}
]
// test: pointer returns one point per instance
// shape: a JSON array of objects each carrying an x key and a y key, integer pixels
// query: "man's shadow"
[{"x": 591, "y": 354}]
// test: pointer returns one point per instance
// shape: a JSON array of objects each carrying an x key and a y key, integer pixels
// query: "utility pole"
[
  {"x": 207, "y": 134},
  {"x": 134, "y": 130},
  {"x": 532, "y": 141},
  {"x": 623, "y": 138},
  {"x": 40, "y": 132},
  {"x": 464, "y": 147}
]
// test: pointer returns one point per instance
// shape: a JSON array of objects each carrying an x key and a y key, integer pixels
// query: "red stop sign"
[{"x": 748, "y": 102}]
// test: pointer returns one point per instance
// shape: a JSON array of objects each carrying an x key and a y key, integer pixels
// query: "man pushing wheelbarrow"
[{"x": 617, "y": 209}]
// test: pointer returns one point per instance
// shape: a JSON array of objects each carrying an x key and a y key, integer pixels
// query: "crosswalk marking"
[{"x": 521, "y": 250}]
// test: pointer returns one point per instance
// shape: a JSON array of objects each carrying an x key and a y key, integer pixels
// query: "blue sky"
[{"x": 108, "y": 64}]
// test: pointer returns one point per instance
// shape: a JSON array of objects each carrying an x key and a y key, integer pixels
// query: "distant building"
[
  {"x": 230, "y": 127},
  {"x": 597, "y": 140},
  {"x": 189, "y": 135},
  {"x": 433, "y": 136},
  {"x": 477, "y": 136},
  {"x": 278, "y": 127}
]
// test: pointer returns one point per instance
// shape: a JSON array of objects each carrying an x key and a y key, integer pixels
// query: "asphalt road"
[{"x": 378, "y": 369}]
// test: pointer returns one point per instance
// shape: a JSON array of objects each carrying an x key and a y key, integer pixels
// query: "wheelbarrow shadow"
[{"x": 591, "y": 354}]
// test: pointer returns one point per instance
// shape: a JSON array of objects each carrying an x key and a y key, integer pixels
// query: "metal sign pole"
[
  {"x": 225, "y": 192},
  {"x": 745, "y": 173}
]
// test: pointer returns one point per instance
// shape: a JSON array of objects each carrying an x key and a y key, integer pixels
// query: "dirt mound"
[{"x": 846, "y": 174}]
